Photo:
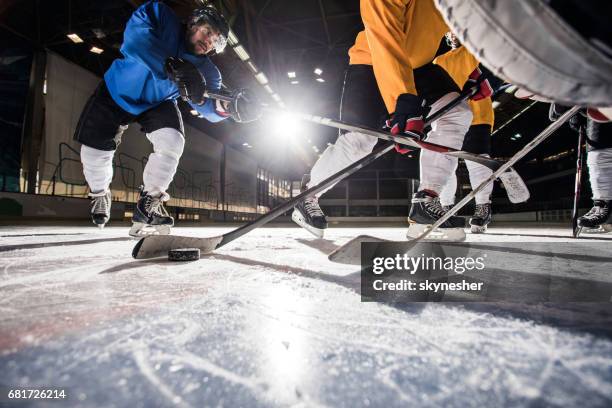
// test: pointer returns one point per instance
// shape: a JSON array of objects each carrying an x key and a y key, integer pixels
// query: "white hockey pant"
[
  {"x": 449, "y": 130},
  {"x": 349, "y": 148},
  {"x": 168, "y": 145}
]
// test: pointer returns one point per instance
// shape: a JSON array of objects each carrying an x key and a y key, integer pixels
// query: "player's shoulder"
[{"x": 160, "y": 11}]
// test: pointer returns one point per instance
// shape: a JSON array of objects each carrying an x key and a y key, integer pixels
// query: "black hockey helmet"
[{"x": 210, "y": 15}]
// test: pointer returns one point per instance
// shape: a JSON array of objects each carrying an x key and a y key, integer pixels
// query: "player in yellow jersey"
[{"x": 391, "y": 74}]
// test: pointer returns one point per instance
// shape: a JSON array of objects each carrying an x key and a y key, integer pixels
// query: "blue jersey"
[{"x": 138, "y": 82}]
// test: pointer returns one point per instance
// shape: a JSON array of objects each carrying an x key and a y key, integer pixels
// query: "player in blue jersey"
[{"x": 163, "y": 58}]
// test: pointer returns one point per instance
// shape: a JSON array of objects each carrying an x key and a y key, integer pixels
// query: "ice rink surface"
[{"x": 269, "y": 321}]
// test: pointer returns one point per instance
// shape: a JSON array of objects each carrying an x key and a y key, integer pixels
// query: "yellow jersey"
[{"x": 399, "y": 36}]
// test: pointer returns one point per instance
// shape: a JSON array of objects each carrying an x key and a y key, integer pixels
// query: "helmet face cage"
[{"x": 211, "y": 16}]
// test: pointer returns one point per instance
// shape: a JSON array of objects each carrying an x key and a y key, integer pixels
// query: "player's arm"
[
  {"x": 458, "y": 63},
  {"x": 211, "y": 110},
  {"x": 466, "y": 71},
  {"x": 143, "y": 37},
  {"x": 386, "y": 27}
]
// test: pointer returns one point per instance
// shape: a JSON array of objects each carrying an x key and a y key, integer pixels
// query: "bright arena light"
[{"x": 285, "y": 125}]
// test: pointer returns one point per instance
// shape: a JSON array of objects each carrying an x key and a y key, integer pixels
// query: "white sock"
[
  {"x": 600, "y": 173},
  {"x": 478, "y": 174},
  {"x": 447, "y": 195},
  {"x": 97, "y": 168}
]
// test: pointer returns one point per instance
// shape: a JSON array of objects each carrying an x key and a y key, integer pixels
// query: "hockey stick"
[
  {"x": 412, "y": 141},
  {"x": 159, "y": 245},
  {"x": 578, "y": 183},
  {"x": 515, "y": 187},
  {"x": 519, "y": 155}
]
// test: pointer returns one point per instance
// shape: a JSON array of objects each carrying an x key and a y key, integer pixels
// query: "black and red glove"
[
  {"x": 484, "y": 86},
  {"x": 407, "y": 119}
]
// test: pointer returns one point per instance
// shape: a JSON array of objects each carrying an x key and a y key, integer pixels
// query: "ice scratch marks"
[
  {"x": 149, "y": 373},
  {"x": 200, "y": 363}
]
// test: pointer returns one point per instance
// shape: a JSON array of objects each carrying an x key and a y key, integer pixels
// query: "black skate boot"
[
  {"x": 150, "y": 217},
  {"x": 309, "y": 215},
  {"x": 447, "y": 208},
  {"x": 426, "y": 210},
  {"x": 100, "y": 207},
  {"x": 481, "y": 218},
  {"x": 598, "y": 219}
]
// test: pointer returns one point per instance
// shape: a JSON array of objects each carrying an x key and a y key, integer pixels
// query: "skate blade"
[
  {"x": 100, "y": 226},
  {"x": 440, "y": 234},
  {"x": 478, "y": 229},
  {"x": 296, "y": 216},
  {"x": 140, "y": 230},
  {"x": 577, "y": 232},
  {"x": 602, "y": 229}
]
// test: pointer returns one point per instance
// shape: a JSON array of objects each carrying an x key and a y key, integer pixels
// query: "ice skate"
[
  {"x": 425, "y": 210},
  {"x": 100, "y": 207},
  {"x": 598, "y": 219},
  {"x": 447, "y": 208},
  {"x": 309, "y": 216},
  {"x": 481, "y": 218},
  {"x": 150, "y": 217}
]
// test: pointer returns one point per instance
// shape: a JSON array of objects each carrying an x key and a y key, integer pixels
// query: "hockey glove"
[
  {"x": 245, "y": 106},
  {"x": 556, "y": 110},
  {"x": 188, "y": 79},
  {"x": 578, "y": 121},
  {"x": 484, "y": 88},
  {"x": 407, "y": 118}
]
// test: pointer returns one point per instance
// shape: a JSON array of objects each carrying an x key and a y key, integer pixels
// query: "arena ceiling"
[{"x": 280, "y": 36}]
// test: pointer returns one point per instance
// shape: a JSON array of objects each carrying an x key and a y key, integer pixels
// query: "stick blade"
[
  {"x": 515, "y": 186},
  {"x": 156, "y": 246},
  {"x": 350, "y": 253}
]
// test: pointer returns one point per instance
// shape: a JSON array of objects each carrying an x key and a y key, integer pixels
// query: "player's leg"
[
  {"x": 362, "y": 105},
  {"x": 99, "y": 130},
  {"x": 478, "y": 141},
  {"x": 599, "y": 162},
  {"x": 434, "y": 84},
  {"x": 164, "y": 129},
  {"x": 447, "y": 195}
]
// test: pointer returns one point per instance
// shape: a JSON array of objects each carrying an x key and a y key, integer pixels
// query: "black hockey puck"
[{"x": 184, "y": 254}]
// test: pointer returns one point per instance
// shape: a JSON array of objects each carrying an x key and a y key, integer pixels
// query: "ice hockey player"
[
  {"x": 138, "y": 88},
  {"x": 459, "y": 63},
  {"x": 599, "y": 162},
  {"x": 388, "y": 64}
]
